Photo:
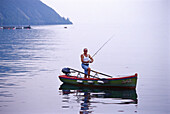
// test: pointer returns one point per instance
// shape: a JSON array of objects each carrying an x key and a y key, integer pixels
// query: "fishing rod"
[{"x": 102, "y": 46}]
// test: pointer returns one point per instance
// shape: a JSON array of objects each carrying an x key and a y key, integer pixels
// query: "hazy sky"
[{"x": 112, "y": 11}]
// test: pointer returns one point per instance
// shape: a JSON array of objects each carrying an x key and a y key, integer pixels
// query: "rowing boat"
[{"x": 126, "y": 82}]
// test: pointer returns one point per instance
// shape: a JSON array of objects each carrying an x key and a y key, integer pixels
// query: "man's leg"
[
  {"x": 88, "y": 72},
  {"x": 85, "y": 75},
  {"x": 85, "y": 70}
]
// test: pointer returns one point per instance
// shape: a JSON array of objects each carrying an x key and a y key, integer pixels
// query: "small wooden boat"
[
  {"x": 27, "y": 27},
  {"x": 19, "y": 27},
  {"x": 126, "y": 82}
]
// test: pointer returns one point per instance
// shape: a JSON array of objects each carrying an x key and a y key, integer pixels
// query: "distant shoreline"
[{"x": 13, "y": 27}]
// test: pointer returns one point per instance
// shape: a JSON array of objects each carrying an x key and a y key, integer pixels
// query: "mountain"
[{"x": 28, "y": 12}]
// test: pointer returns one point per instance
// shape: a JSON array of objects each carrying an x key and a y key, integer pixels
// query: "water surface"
[{"x": 31, "y": 60}]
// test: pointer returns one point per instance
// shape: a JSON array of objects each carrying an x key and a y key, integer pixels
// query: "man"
[{"x": 86, "y": 59}]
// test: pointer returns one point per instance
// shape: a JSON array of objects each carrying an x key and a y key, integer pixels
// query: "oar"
[
  {"x": 82, "y": 72},
  {"x": 101, "y": 73}
]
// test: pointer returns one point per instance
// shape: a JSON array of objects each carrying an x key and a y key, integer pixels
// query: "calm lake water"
[{"x": 31, "y": 61}]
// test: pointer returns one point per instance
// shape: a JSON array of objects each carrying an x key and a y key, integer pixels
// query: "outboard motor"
[{"x": 66, "y": 71}]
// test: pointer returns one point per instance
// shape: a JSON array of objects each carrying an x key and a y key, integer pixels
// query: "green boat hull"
[{"x": 122, "y": 82}]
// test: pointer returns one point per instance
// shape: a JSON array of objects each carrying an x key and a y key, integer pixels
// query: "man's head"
[{"x": 85, "y": 50}]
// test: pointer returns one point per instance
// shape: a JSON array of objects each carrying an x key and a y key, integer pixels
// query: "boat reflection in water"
[{"x": 89, "y": 98}]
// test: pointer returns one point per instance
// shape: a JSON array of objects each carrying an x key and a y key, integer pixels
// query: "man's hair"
[{"x": 85, "y": 49}]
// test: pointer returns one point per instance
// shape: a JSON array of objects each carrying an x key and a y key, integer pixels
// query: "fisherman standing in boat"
[{"x": 86, "y": 59}]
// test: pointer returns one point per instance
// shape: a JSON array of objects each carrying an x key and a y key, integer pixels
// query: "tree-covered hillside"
[{"x": 28, "y": 12}]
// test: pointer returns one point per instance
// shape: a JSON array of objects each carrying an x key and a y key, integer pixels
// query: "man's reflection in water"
[
  {"x": 86, "y": 103},
  {"x": 85, "y": 97}
]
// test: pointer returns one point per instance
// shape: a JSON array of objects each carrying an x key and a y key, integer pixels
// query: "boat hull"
[{"x": 128, "y": 82}]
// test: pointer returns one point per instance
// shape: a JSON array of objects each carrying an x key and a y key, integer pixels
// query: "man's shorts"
[{"x": 85, "y": 67}]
